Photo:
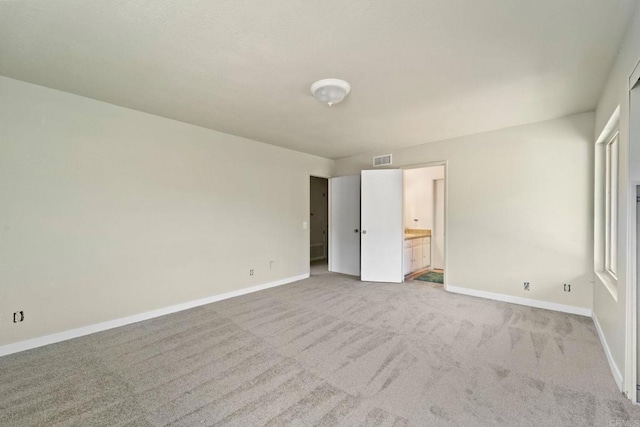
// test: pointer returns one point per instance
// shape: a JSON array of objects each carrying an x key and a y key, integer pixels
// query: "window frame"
[{"x": 612, "y": 183}]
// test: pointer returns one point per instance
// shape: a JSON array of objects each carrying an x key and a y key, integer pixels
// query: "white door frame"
[
  {"x": 436, "y": 230},
  {"x": 630, "y": 379},
  {"x": 445, "y": 250},
  {"x": 631, "y": 354}
]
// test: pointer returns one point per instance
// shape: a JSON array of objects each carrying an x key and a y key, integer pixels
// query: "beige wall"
[
  {"x": 519, "y": 207},
  {"x": 609, "y": 311},
  {"x": 107, "y": 212}
]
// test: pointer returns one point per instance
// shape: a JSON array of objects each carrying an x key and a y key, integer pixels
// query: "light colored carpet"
[{"x": 325, "y": 351}]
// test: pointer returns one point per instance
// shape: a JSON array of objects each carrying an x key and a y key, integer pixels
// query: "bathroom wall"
[{"x": 418, "y": 196}]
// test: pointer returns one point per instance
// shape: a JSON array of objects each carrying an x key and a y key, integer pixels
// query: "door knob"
[
  {"x": 364, "y": 231},
  {"x": 355, "y": 231}
]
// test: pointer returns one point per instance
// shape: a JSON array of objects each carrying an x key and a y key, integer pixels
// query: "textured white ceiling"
[{"x": 420, "y": 70}]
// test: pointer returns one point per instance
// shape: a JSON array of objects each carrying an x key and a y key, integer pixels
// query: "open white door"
[
  {"x": 382, "y": 229},
  {"x": 344, "y": 225}
]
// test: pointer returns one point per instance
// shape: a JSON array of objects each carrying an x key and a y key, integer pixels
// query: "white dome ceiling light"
[{"x": 330, "y": 91}]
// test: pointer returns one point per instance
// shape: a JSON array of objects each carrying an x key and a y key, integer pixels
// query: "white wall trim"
[
  {"x": 635, "y": 76},
  {"x": 521, "y": 301},
  {"x": 612, "y": 364},
  {"x": 110, "y": 324}
]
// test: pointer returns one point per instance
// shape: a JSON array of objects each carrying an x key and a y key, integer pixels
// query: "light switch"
[{"x": 304, "y": 225}]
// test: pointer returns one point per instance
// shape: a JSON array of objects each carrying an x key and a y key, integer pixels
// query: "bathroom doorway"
[{"x": 424, "y": 223}]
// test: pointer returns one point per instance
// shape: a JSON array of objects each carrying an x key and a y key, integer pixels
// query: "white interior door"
[
  {"x": 344, "y": 225},
  {"x": 382, "y": 229},
  {"x": 437, "y": 250}
]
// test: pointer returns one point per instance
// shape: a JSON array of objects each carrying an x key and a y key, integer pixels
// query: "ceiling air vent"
[{"x": 382, "y": 160}]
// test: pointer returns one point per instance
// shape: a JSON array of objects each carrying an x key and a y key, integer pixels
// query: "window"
[
  {"x": 611, "y": 206},
  {"x": 605, "y": 215}
]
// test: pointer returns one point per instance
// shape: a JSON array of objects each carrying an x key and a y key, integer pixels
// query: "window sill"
[{"x": 609, "y": 282}]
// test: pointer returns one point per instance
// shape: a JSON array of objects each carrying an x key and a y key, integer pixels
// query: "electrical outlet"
[
  {"x": 526, "y": 286},
  {"x": 251, "y": 272},
  {"x": 18, "y": 316},
  {"x": 567, "y": 287}
]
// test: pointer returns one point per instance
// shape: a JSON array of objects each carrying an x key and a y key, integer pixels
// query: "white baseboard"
[
  {"x": 607, "y": 351},
  {"x": 521, "y": 301},
  {"x": 110, "y": 324}
]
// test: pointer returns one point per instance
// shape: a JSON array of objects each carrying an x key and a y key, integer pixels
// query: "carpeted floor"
[{"x": 325, "y": 351}]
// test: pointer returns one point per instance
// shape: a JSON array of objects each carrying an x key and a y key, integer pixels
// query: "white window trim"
[
  {"x": 611, "y": 205},
  {"x": 603, "y": 276}
]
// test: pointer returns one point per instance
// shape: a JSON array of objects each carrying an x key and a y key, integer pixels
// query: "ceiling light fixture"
[{"x": 330, "y": 91}]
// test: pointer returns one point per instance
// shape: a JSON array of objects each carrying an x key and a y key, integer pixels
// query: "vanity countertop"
[{"x": 416, "y": 233}]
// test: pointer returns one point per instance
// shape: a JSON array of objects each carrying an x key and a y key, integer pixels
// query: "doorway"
[
  {"x": 637, "y": 286},
  {"x": 424, "y": 223},
  {"x": 373, "y": 234},
  {"x": 318, "y": 222},
  {"x": 365, "y": 236},
  {"x": 633, "y": 256}
]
